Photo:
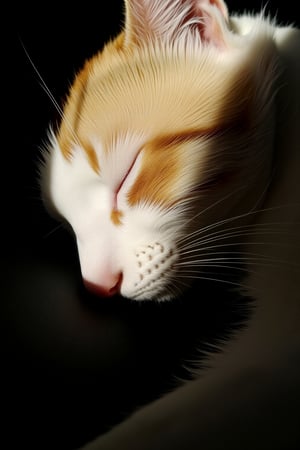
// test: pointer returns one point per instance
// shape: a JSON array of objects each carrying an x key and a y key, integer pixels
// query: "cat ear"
[{"x": 169, "y": 20}]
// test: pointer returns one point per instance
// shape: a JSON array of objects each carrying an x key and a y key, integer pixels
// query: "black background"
[{"x": 72, "y": 365}]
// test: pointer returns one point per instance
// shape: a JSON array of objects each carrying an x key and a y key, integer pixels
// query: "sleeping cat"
[{"x": 178, "y": 157}]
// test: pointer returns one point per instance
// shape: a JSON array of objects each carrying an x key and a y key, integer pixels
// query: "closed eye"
[{"x": 126, "y": 180}]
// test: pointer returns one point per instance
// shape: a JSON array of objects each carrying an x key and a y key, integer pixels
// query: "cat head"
[{"x": 165, "y": 132}]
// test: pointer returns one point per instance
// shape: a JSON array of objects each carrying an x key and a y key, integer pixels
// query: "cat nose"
[{"x": 109, "y": 286}]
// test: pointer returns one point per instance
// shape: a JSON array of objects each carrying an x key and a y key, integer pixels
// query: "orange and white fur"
[{"x": 178, "y": 154}]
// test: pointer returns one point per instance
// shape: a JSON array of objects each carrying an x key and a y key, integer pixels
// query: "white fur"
[
  {"x": 248, "y": 398},
  {"x": 140, "y": 247}
]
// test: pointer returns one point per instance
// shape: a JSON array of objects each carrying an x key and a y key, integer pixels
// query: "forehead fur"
[
  {"x": 170, "y": 96},
  {"x": 155, "y": 91}
]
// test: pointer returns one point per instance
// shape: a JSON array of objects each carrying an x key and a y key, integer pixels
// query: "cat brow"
[
  {"x": 188, "y": 135},
  {"x": 184, "y": 136}
]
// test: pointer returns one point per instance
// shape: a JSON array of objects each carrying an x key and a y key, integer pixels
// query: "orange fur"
[
  {"x": 116, "y": 217},
  {"x": 195, "y": 151},
  {"x": 158, "y": 174},
  {"x": 121, "y": 91}
]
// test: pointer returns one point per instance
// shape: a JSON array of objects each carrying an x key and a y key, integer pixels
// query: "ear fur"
[{"x": 169, "y": 20}]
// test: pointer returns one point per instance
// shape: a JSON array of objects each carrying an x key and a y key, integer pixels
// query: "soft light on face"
[{"x": 157, "y": 131}]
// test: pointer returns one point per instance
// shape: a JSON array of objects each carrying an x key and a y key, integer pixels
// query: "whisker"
[
  {"x": 50, "y": 95},
  {"x": 202, "y": 245},
  {"x": 218, "y": 280},
  {"x": 214, "y": 204},
  {"x": 250, "y": 257},
  {"x": 249, "y": 226},
  {"x": 262, "y": 196},
  {"x": 218, "y": 266},
  {"x": 218, "y": 236},
  {"x": 238, "y": 259},
  {"x": 232, "y": 219},
  {"x": 239, "y": 268},
  {"x": 174, "y": 289},
  {"x": 43, "y": 83},
  {"x": 238, "y": 263},
  {"x": 54, "y": 230},
  {"x": 234, "y": 244},
  {"x": 253, "y": 210}
]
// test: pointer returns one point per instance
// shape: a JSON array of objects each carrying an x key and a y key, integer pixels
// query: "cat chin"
[
  {"x": 158, "y": 293},
  {"x": 157, "y": 298}
]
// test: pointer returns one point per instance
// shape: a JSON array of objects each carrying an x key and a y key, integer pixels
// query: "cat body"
[{"x": 177, "y": 154}]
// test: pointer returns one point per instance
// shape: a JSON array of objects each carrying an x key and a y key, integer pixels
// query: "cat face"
[{"x": 161, "y": 137}]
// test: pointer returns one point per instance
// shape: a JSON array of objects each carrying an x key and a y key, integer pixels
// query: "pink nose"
[{"x": 107, "y": 288}]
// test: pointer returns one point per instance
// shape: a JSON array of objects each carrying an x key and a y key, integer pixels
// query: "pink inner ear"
[
  {"x": 212, "y": 14},
  {"x": 212, "y": 32},
  {"x": 166, "y": 19},
  {"x": 217, "y": 3}
]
